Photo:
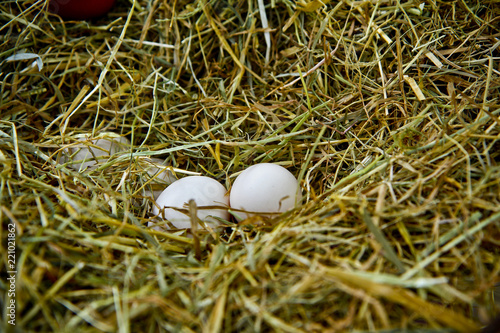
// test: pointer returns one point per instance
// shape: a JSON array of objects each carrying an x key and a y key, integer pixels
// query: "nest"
[{"x": 386, "y": 112}]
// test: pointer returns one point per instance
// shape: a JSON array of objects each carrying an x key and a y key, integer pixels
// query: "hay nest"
[{"x": 387, "y": 113}]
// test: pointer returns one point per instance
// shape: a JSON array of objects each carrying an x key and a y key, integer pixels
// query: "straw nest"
[{"x": 386, "y": 111}]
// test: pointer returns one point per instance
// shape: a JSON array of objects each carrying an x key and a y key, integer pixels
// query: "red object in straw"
[{"x": 80, "y": 9}]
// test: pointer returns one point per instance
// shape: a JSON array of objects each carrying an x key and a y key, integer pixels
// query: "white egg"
[
  {"x": 93, "y": 151},
  {"x": 264, "y": 188},
  {"x": 157, "y": 175},
  {"x": 204, "y": 191}
]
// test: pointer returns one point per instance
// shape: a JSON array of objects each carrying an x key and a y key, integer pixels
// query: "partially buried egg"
[
  {"x": 205, "y": 191},
  {"x": 89, "y": 152},
  {"x": 158, "y": 176},
  {"x": 264, "y": 189}
]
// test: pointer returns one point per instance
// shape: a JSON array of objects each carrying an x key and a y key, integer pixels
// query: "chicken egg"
[
  {"x": 264, "y": 189},
  {"x": 86, "y": 156},
  {"x": 204, "y": 191},
  {"x": 158, "y": 176}
]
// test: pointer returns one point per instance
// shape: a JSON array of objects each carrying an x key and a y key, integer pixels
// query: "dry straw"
[{"x": 386, "y": 111}]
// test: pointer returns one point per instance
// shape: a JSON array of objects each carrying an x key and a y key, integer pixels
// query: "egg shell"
[
  {"x": 264, "y": 188},
  {"x": 80, "y": 9},
  {"x": 158, "y": 175},
  {"x": 84, "y": 156},
  {"x": 203, "y": 190}
]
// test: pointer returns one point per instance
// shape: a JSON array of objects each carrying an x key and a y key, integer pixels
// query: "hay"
[{"x": 387, "y": 112}]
